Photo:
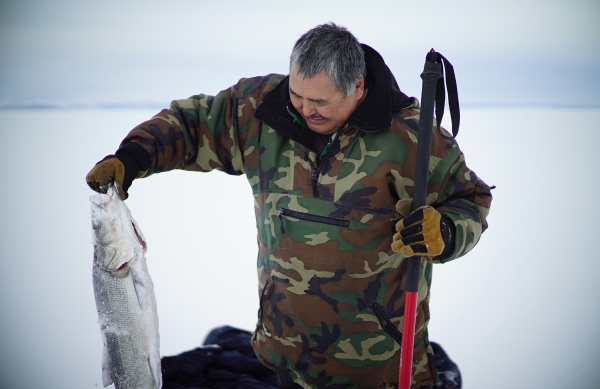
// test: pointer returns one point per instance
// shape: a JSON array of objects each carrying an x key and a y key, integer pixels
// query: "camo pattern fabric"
[{"x": 327, "y": 273}]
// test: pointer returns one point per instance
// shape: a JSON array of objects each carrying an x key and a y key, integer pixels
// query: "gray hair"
[{"x": 334, "y": 49}]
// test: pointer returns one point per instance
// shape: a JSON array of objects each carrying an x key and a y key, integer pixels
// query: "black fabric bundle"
[{"x": 227, "y": 361}]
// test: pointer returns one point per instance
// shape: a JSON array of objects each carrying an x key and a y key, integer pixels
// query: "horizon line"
[{"x": 110, "y": 106}]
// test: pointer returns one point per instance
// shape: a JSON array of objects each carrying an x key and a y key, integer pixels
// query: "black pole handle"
[
  {"x": 431, "y": 74},
  {"x": 432, "y": 98}
]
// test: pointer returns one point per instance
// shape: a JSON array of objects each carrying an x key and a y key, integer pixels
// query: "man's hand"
[
  {"x": 422, "y": 233},
  {"x": 130, "y": 161},
  {"x": 109, "y": 170}
]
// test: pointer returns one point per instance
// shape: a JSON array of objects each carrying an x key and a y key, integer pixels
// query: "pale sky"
[{"x": 68, "y": 52}]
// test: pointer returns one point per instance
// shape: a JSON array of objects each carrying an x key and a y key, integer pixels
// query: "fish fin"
[
  {"x": 106, "y": 373},
  {"x": 156, "y": 374},
  {"x": 141, "y": 291},
  {"x": 106, "y": 377}
]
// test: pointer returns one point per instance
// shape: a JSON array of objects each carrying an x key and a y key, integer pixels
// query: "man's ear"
[
  {"x": 360, "y": 83},
  {"x": 360, "y": 88}
]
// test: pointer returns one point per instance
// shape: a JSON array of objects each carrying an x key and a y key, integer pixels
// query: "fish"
[{"x": 125, "y": 299}]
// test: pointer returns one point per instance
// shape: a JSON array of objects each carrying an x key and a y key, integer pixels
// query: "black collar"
[{"x": 374, "y": 114}]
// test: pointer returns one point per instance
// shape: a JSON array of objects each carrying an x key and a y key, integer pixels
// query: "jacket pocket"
[
  {"x": 386, "y": 323},
  {"x": 309, "y": 217}
]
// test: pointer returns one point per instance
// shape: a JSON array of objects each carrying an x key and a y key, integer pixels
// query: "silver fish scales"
[{"x": 125, "y": 299}]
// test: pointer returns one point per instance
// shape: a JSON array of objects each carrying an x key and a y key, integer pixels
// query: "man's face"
[{"x": 324, "y": 108}]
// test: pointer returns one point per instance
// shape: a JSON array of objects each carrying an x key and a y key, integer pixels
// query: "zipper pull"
[
  {"x": 313, "y": 177},
  {"x": 280, "y": 212},
  {"x": 313, "y": 180}
]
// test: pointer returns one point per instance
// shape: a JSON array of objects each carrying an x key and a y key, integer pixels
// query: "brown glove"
[
  {"x": 130, "y": 162},
  {"x": 107, "y": 171},
  {"x": 424, "y": 232}
]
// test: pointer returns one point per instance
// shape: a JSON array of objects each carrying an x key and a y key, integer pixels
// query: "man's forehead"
[
  {"x": 315, "y": 87},
  {"x": 311, "y": 97}
]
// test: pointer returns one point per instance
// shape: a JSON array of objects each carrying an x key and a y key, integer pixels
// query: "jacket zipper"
[
  {"x": 314, "y": 176},
  {"x": 260, "y": 309},
  {"x": 386, "y": 323},
  {"x": 311, "y": 218}
]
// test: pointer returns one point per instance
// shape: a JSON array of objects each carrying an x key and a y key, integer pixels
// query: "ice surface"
[{"x": 494, "y": 311}]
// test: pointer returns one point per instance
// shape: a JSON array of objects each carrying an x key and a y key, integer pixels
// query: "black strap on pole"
[{"x": 440, "y": 95}]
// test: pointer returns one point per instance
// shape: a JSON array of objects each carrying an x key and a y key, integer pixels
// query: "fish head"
[{"x": 115, "y": 239}]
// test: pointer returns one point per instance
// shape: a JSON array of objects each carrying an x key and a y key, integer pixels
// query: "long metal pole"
[{"x": 431, "y": 74}]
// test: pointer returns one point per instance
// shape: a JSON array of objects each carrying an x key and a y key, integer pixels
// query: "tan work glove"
[
  {"x": 423, "y": 232},
  {"x": 109, "y": 170},
  {"x": 130, "y": 162}
]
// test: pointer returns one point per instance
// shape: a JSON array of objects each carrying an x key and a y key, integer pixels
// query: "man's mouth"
[{"x": 316, "y": 119}]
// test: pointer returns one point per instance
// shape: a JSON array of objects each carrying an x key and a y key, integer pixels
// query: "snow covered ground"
[{"x": 520, "y": 311}]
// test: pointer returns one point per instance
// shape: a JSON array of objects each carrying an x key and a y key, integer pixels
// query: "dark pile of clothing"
[{"x": 227, "y": 361}]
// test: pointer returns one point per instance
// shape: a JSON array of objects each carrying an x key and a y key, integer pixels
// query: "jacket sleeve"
[
  {"x": 457, "y": 193},
  {"x": 194, "y": 134},
  {"x": 203, "y": 132}
]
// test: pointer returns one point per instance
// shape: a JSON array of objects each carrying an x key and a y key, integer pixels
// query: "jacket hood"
[
  {"x": 383, "y": 98},
  {"x": 374, "y": 114}
]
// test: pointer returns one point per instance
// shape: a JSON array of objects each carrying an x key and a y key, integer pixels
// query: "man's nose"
[{"x": 308, "y": 108}]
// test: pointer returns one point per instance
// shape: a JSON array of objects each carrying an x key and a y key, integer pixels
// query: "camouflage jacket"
[{"x": 329, "y": 283}]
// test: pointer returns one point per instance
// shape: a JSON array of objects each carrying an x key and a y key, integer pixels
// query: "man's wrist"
[
  {"x": 448, "y": 230},
  {"x": 134, "y": 159},
  {"x": 132, "y": 152}
]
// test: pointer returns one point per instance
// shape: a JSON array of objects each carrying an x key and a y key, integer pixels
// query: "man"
[{"x": 330, "y": 154}]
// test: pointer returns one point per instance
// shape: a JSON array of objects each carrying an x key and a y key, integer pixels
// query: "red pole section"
[{"x": 408, "y": 343}]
